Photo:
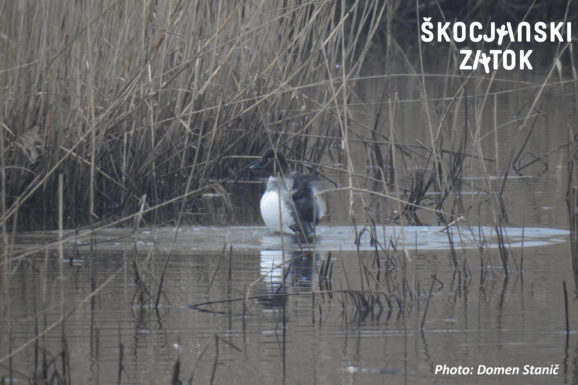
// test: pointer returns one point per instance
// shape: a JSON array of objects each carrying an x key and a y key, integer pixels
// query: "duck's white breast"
[{"x": 274, "y": 214}]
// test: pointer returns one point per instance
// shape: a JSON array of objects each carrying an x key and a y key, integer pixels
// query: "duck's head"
[{"x": 274, "y": 162}]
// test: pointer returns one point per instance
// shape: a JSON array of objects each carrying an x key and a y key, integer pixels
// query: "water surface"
[{"x": 231, "y": 311}]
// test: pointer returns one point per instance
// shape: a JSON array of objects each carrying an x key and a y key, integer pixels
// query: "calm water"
[{"x": 236, "y": 315}]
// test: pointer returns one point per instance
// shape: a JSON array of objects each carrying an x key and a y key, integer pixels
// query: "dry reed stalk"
[
  {"x": 566, "y": 312},
  {"x": 60, "y": 218},
  {"x": 3, "y": 211},
  {"x": 572, "y": 202},
  {"x": 216, "y": 360},
  {"x": 434, "y": 137},
  {"x": 429, "y": 296}
]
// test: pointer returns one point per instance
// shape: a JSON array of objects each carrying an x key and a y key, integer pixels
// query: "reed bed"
[{"x": 129, "y": 101}]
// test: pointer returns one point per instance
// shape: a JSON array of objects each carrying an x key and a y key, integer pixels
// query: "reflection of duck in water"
[
  {"x": 289, "y": 204},
  {"x": 293, "y": 276}
]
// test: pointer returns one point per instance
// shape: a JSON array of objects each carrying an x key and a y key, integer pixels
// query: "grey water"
[{"x": 236, "y": 308}]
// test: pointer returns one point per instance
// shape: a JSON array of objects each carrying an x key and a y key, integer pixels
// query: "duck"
[{"x": 291, "y": 203}]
